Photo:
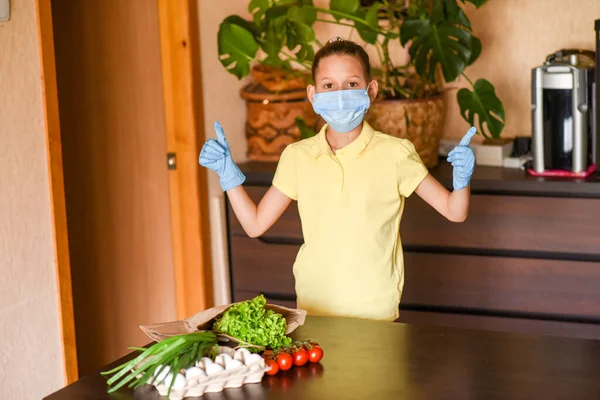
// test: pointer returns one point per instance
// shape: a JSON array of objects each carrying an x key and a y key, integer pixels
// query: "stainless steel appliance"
[{"x": 565, "y": 137}]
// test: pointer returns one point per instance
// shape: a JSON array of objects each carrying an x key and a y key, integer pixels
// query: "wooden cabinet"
[{"x": 524, "y": 261}]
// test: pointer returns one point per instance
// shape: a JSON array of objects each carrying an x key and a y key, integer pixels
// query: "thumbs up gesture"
[
  {"x": 216, "y": 155},
  {"x": 463, "y": 161}
]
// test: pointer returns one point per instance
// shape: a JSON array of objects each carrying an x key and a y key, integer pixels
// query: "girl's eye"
[
  {"x": 328, "y": 85},
  {"x": 353, "y": 84}
]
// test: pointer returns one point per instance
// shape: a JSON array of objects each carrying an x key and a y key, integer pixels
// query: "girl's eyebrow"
[{"x": 325, "y": 78}]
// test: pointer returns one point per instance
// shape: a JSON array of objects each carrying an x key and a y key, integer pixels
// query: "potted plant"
[
  {"x": 440, "y": 44},
  {"x": 276, "y": 96}
]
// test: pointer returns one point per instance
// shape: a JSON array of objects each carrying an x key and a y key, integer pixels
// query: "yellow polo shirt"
[{"x": 350, "y": 204}]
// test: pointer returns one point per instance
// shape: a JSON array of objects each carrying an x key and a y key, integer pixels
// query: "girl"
[{"x": 350, "y": 183}]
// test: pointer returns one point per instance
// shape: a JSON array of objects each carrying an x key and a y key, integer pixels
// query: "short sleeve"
[
  {"x": 411, "y": 170},
  {"x": 285, "y": 175}
]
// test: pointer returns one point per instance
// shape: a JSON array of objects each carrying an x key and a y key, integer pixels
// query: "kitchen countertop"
[
  {"x": 486, "y": 180},
  {"x": 383, "y": 360}
]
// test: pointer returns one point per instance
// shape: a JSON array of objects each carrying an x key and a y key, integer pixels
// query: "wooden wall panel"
[
  {"x": 260, "y": 266},
  {"x": 538, "y": 287},
  {"x": 509, "y": 223},
  {"x": 287, "y": 228}
]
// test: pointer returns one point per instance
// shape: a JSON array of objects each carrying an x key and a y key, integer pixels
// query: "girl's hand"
[
  {"x": 463, "y": 161},
  {"x": 215, "y": 155}
]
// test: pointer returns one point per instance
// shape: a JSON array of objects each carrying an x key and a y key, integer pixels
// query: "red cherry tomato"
[
  {"x": 315, "y": 354},
  {"x": 300, "y": 357},
  {"x": 273, "y": 367},
  {"x": 285, "y": 361}
]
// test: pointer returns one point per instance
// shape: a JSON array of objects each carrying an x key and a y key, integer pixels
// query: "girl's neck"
[{"x": 339, "y": 140}]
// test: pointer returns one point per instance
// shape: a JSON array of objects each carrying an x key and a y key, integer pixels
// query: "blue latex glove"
[
  {"x": 215, "y": 155},
  {"x": 463, "y": 161}
]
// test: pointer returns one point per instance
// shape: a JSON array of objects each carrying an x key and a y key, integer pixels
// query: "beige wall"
[
  {"x": 31, "y": 363},
  {"x": 516, "y": 36}
]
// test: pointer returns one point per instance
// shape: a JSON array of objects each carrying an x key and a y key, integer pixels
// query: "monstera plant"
[{"x": 437, "y": 34}]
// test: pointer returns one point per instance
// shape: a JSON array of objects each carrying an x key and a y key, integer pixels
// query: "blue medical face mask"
[{"x": 343, "y": 110}]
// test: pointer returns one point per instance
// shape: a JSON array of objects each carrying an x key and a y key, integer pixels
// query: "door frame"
[
  {"x": 57, "y": 188},
  {"x": 188, "y": 184},
  {"x": 188, "y": 188}
]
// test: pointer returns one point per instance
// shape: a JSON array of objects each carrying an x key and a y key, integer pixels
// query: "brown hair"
[{"x": 341, "y": 47}]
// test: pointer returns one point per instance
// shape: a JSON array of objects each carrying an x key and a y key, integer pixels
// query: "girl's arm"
[
  {"x": 256, "y": 220},
  {"x": 454, "y": 206},
  {"x": 216, "y": 156}
]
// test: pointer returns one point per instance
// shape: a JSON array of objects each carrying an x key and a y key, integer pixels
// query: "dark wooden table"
[{"x": 379, "y": 360}]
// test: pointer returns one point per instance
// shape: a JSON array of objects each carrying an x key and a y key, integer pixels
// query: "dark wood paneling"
[
  {"x": 287, "y": 228},
  {"x": 246, "y": 295},
  {"x": 502, "y": 324},
  {"x": 565, "y": 289},
  {"x": 509, "y": 223},
  {"x": 562, "y": 288},
  {"x": 262, "y": 267},
  {"x": 486, "y": 180},
  {"x": 505, "y": 224},
  {"x": 518, "y": 264}
]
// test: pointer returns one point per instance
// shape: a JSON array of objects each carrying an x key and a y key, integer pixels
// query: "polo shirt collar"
[{"x": 354, "y": 149}]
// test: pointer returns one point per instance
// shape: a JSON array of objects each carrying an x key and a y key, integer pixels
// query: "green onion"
[{"x": 178, "y": 352}]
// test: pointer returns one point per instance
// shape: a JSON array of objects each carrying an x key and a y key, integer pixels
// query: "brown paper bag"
[{"x": 204, "y": 320}]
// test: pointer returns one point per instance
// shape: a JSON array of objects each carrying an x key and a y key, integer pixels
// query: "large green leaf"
[
  {"x": 446, "y": 44},
  {"x": 476, "y": 3},
  {"x": 298, "y": 34},
  {"x": 248, "y": 25},
  {"x": 449, "y": 10},
  {"x": 276, "y": 13},
  {"x": 371, "y": 16},
  {"x": 272, "y": 43},
  {"x": 237, "y": 48},
  {"x": 303, "y": 15},
  {"x": 484, "y": 103},
  {"x": 343, "y": 6},
  {"x": 258, "y": 8},
  {"x": 298, "y": 3},
  {"x": 451, "y": 7},
  {"x": 475, "y": 50},
  {"x": 306, "y": 53},
  {"x": 368, "y": 31}
]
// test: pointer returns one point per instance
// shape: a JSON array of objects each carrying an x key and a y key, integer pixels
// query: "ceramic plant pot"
[{"x": 421, "y": 121}]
